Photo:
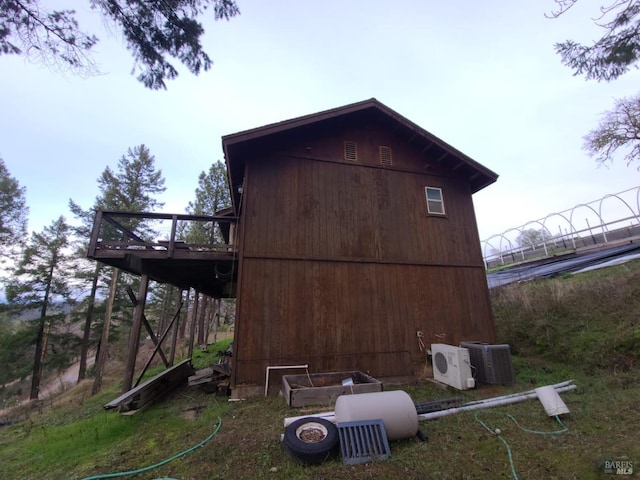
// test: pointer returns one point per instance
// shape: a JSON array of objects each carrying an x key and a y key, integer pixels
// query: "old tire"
[{"x": 311, "y": 440}]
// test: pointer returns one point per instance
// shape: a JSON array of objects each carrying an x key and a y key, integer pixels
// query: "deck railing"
[{"x": 161, "y": 232}]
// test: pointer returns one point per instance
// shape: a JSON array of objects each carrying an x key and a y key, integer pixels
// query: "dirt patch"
[
  {"x": 50, "y": 388},
  {"x": 192, "y": 413}
]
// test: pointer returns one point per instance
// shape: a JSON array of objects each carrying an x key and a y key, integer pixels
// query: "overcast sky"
[{"x": 482, "y": 76}]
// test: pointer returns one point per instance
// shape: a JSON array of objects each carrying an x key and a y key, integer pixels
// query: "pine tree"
[
  {"x": 42, "y": 281},
  {"x": 13, "y": 213},
  {"x": 16, "y": 346},
  {"x": 88, "y": 273},
  {"x": 212, "y": 193},
  {"x": 131, "y": 188},
  {"x": 212, "y": 196}
]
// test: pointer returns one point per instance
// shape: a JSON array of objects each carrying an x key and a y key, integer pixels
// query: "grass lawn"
[
  {"x": 72, "y": 443},
  {"x": 583, "y": 328}
]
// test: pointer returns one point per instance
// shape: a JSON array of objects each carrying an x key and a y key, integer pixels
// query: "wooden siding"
[
  {"x": 297, "y": 207},
  {"x": 339, "y": 316},
  {"x": 340, "y": 263}
]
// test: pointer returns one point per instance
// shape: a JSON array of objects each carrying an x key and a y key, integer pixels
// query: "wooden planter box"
[{"x": 324, "y": 388}]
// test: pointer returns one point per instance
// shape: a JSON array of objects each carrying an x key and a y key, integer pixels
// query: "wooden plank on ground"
[
  {"x": 146, "y": 392},
  {"x": 215, "y": 373}
]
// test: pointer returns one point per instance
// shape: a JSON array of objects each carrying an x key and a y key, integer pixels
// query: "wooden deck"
[{"x": 158, "y": 245}]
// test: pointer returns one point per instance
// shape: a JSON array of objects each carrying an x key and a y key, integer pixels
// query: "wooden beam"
[
  {"x": 174, "y": 337},
  {"x": 104, "y": 338},
  {"x": 442, "y": 157},
  {"x": 155, "y": 341},
  {"x": 148, "y": 391},
  {"x": 122, "y": 228},
  {"x": 158, "y": 345},
  {"x": 95, "y": 233},
  {"x": 134, "y": 337},
  {"x": 150, "y": 331},
  {"x": 172, "y": 238},
  {"x": 132, "y": 296},
  {"x": 194, "y": 314}
]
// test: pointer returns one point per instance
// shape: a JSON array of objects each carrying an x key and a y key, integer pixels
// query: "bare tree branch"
[
  {"x": 564, "y": 5},
  {"x": 153, "y": 31},
  {"x": 619, "y": 130}
]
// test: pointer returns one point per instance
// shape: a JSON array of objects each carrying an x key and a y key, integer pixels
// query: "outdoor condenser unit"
[
  {"x": 451, "y": 366},
  {"x": 492, "y": 363}
]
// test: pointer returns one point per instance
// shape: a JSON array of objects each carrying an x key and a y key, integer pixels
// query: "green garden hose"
[
  {"x": 497, "y": 432},
  {"x": 163, "y": 462}
]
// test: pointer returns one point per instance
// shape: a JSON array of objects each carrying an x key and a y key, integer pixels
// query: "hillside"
[{"x": 583, "y": 327}]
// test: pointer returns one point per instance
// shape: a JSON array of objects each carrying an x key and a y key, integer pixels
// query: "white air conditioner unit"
[{"x": 451, "y": 366}]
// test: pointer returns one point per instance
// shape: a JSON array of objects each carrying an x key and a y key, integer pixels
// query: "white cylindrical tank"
[{"x": 395, "y": 408}]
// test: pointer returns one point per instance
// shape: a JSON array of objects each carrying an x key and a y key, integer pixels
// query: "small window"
[
  {"x": 435, "y": 201},
  {"x": 350, "y": 151},
  {"x": 385, "y": 156}
]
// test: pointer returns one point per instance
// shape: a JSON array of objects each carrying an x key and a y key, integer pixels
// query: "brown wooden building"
[{"x": 357, "y": 241}]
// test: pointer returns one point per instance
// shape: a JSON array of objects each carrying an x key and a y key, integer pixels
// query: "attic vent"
[
  {"x": 350, "y": 151},
  {"x": 385, "y": 155}
]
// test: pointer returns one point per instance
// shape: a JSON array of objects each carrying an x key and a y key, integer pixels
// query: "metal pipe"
[
  {"x": 478, "y": 406},
  {"x": 278, "y": 367},
  {"x": 331, "y": 416},
  {"x": 490, "y": 400}
]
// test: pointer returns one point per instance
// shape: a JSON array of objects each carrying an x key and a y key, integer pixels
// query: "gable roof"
[{"x": 234, "y": 145}]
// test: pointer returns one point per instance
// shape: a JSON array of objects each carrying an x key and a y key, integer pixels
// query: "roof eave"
[{"x": 235, "y": 139}]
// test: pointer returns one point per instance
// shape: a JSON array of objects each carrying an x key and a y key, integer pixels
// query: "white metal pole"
[
  {"x": 278, "y": 367},
  {"x": 478, "y": 406}
]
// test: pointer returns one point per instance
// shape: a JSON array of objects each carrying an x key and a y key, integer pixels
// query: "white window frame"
[{"x": 432, "y": 203}]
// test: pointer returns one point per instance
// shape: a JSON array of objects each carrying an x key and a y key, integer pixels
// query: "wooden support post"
[
  {"x": 104, "y": 339},
  {"x": 134, "y": 337},
  {"x": 183, "y": 327},
  {"x": 209, "y": 319},
  {"x": 194, "y": 315},
  {"x": 172, "y": 238},
  {"x": 174, "y": 336},
  {"x": 203, "y": 307},
  {"x": 232, "y": 234},
  {"x": 216, "y": 319},
  {"x": 95, "y": 234},
  {"x": 86, "y": 337}
]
